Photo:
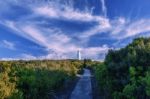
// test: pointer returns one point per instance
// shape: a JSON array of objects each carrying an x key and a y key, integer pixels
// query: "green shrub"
[
  {"x": 35, "y": 79},
  {"x": 125, "y": 73}
]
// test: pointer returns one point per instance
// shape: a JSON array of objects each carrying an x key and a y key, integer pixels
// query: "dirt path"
[{"x": 83, "y": 89}]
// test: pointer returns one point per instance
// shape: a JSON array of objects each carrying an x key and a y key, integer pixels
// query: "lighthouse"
[{"x": 78, "y": 55}]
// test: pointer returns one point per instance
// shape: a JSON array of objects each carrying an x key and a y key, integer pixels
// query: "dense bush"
[
  {"x": 35, "y": 79},
  {"x": 125, "y": 73}
]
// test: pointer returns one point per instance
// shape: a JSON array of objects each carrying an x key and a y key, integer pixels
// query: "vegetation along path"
[{"x": 83, "y": 89}]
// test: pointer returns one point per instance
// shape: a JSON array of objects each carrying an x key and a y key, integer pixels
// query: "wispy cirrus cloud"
[
  {"x": 104, "y": 8},
  {"x": 138, "y": 27},
  {"x": 66, "y": 14},
  {"x": 131, "y": 29},
  {"x": 7, "y": 44}
]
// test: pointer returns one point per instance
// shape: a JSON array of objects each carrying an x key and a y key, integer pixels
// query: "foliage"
[
  {"x": 35, "y": 79},
  {"x": 147, "y": 81},
  {"x": 125, "y": 73},
  {"x": 104, "y": 82}
]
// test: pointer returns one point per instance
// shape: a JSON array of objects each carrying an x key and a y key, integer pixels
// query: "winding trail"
[{"x": 83, "y": 89}]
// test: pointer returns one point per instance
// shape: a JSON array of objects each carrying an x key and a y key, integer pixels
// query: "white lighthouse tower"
[{"x": 78, "y": 55}]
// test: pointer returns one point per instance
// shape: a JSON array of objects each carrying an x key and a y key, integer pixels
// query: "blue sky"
[{"x": 56, "y": 29}]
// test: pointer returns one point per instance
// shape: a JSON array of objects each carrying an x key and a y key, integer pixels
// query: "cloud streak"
[
  {"x": 66, "y": 14},
  {"x": 7, "y": 44},
  {"x": 104, "y": 8}
]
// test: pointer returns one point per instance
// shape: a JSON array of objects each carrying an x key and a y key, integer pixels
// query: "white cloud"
[
  {"x": 11, "y": 24},
  {"x": 103, "y": 26},
  {"x": 130, "y": 29},
  {"x": 8, "y": 59},
  {"x": 8, "y": 44},
  {"x": 138, "y": 27},
  {"x": 67, "y": 13},
  {"x": 27, "y": 57},
  {"x": 104, "y": 8},
  {"x": 16, "y": 27},
  {"x": 95, "y": 53},
  {"x": 118, "y": 25},
  {"x": 54, "y": 40},
  {"x": 35, "y": 34},
  {"x": 23, "y": 56}
]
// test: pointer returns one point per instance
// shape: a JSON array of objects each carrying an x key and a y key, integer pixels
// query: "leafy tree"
[{"x": 127, "y": 71}]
